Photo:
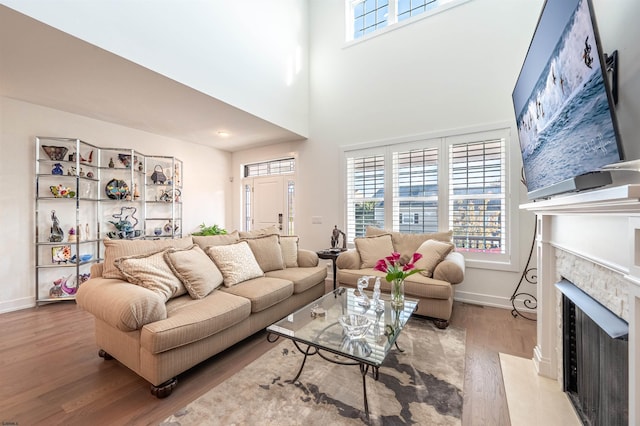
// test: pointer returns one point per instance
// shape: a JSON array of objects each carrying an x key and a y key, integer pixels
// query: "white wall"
[
  {"x": 205, "y": 180},
  {"x": 249, "y": 54}
]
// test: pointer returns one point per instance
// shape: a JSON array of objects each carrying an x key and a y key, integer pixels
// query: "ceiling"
[{"x": 42, "y": 65}]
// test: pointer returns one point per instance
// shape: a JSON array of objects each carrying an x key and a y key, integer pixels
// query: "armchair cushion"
[
  {"x": 433, "y": 252},
  {"x": 407, "y": 244},
  {"x": 371, "y": 249}
]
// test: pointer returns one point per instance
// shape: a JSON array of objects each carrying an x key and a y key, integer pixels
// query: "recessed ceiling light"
[{"x": 223, "y": 134}]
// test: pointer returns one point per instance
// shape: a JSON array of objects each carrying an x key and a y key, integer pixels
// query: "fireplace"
[
  {"x": 595, "y": 358},
  {"x": 591, "y": 239}
]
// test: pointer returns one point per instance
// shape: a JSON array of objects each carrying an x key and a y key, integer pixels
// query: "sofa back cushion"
[
  {"x": 273, "y": 229},
  {"x": 407, "y": 244},
  {"x": 205, "y": 241},
  {"x": 194, "y": 269},
  {"x": 113, "y": 249},
  {"x": 289, "y": 248},
  {"x": 266, "y": 250},
  {"x": 151, "y": 271},
  {"x": 372, "y": 249},
  {"x": 236, "y": 262}
]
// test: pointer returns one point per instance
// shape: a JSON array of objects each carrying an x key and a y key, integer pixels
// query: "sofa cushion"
[
  {"x": 195, "y": 269},
  {"x": 236, "y": 262},
  {"x": 303, "y": 278},
  {"x": 433, "y": 252},
  {"x": 266, "y": 249},
  {"x": 273, "y": 229},
  {"x": 263, "y": 292},
  {"x": 205, "y": 241},
  {"x": 190, "y": 320},
  {"x": 416, "y": 285},
  {"x": 407, "y": 244},
  {"x": 114, "y": 249},
  {"x": 120, "y": 304},
  {"x": 372, "y": 249},
  {"x": 289, "y": 248},
  {"x": 151, "y": 271}
]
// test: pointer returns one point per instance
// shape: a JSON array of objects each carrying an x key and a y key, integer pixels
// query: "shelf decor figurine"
[
  {"x": 56, "y": 234},
  {"x": 335, "y": 236},
  {"x": 57, "y": 169},
  {"x": 158, "y": 175}
]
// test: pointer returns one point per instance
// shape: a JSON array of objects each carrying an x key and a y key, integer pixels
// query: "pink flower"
[{"x": 391, "y": 266}]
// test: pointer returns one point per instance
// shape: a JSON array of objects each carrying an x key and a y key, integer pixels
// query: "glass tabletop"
[{"x": 318, "y": 324}]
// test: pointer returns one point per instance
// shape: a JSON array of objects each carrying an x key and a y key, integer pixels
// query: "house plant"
[{"x": 397, "y": 273}]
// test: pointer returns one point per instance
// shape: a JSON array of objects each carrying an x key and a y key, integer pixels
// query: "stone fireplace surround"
[{"x": 593, "y": 240}]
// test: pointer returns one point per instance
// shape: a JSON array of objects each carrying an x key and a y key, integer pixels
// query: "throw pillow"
[
  {"x": 236, "y": 262},
  {"x": 194, "y": 269},
  {"x": 152, "y": 272},
  {"x": 273, "y": 229},
  {"x": 114, "y": 249},
  {"x": 372, "y": 249},
  {"x": 266, "y": 250},
  {"x": 289, "y": 248},
  {"x": 433, "y": 252},
  {"x": 205, "y": 241}
]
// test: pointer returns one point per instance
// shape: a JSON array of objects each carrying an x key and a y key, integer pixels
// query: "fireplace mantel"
[
  {"x": 618, "y": 199},
  {"x": 603, "y": 228}
]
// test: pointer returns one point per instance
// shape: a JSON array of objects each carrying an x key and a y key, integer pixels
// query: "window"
[
  {"x": 477, "y": 195},
  {"x": 365, "y": 193},
  {"x": 367, "y": 16},
  {"x": 455, "y": 182},
  {"x": 275, "y": 167}
]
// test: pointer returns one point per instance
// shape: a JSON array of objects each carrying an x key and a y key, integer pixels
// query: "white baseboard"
[
  {"x": 487, "y": 300},
  {"x": 17, "y": 304}
]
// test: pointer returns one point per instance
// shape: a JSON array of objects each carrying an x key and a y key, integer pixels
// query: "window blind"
[{"x": 365, "y": 193}]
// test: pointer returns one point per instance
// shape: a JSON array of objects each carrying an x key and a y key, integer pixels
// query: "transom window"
[
  {"x": 274, "y": 167},
  {"x": 368, "y": 16},
  {"x": 456, "y": 183}
]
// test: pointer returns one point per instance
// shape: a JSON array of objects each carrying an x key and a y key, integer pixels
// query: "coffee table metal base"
[{"x": 314, "y": 350}]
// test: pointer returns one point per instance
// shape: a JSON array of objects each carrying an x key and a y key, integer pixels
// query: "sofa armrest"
[
  {"x": 307, "y": 258},
  {"x": 120, "y": 304},
  {"x": 349, "y": 259},
  {"x": 451, "y": 269},
  {"x": 96, "y": 270}
]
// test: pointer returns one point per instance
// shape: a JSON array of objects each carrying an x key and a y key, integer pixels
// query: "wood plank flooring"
[{"x": 50, "y": 372}]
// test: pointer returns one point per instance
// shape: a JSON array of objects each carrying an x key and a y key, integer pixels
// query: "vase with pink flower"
[{"x": 397, "y": 273}]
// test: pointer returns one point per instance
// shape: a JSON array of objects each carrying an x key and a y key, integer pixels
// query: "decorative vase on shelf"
[{"x": 397, "y": 293}]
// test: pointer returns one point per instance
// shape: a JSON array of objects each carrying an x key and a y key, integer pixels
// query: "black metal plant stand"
[{"x": 528, "y": 275}]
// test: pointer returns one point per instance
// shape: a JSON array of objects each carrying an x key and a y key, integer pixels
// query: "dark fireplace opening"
[{"x": 595, "y": 358}]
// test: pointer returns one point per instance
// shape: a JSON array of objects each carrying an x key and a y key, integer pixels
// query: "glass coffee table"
[{"x": 316, "y": 330}]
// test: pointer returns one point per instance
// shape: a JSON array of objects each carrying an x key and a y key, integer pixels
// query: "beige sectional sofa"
[
  {"x": 442, "y": 267},
  {"x": 163, "y": 306}
]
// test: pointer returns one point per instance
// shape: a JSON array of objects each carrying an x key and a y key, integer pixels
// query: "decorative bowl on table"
[
  {"x": 355, "y": 325},
  {"x": 55, "y": 153}
]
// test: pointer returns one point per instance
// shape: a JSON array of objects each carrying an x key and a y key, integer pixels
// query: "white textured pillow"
[
  {"x": 236, "y": 262},
  {"x": 372, "y": 249},
  {"x": 433, "y": 252},
  {"x": 289, "y": 247},
  {"x": 152, "y": 272},
  {"x": 194, "y": 269}
]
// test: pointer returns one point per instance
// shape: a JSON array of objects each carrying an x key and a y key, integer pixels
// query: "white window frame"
[
  {"x": 509, "y": 261},
  {"x": 392, "y": 19}
]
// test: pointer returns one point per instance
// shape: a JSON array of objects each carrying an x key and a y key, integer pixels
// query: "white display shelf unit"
[
  {"x": 70, "y": 166},
  {"x": 112, "y": 195}
]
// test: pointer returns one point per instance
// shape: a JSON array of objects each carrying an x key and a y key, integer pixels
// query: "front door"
[{"x": 269, "y": 202}]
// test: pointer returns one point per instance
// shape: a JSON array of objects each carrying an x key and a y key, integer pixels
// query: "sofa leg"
[
  {"x": 440, "y": 323},
  {"x": 103, "y": 354},
  {"x": 163, "y": 390}
]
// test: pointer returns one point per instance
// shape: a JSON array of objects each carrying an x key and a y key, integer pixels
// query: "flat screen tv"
[{"x": 563, "y": 105}]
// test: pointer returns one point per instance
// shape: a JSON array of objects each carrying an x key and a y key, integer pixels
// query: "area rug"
[{"x": 422, "y": 385}]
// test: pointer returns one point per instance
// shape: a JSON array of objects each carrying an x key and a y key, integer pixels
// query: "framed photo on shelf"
[{"x": 60, "y": 254}]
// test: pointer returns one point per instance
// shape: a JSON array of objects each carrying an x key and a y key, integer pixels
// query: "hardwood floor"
[{"x": 50, "y": 372}]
